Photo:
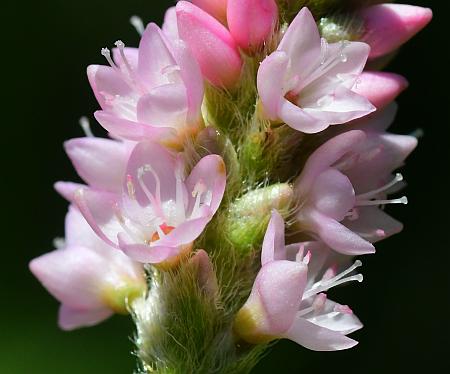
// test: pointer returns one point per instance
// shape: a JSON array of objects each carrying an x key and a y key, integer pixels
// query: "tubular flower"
[
  {"x": 288, "y": 300},
  {"x": 154, "y": 92},
  {"x": 346, "y": 180},
  {"x": 160, "y": 211},
  {"x": 307, "y": 83},
  {"x": 91, "y": 279}
]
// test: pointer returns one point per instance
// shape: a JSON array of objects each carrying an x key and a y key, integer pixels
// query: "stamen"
[
  {"x": 398, "y": 178},
  {"x": 323, "y": 50},
  {"x": 325, "y": 285},
  {"x": 131, "y": 233},
  {"x": 138, "y": 24},
  {"x": 59, "y": 243},
  {"x": 199, "y": 190},
  {"x": 86, "y": 126},
  {"x": 121, "y": 46},
  {"x": 107, "y": 54},
  {"x": 179, "y": 197},
  {"x": 130, "y": 187},
  {"x": 155, "y": 201},
  {"x": 402, "y": 200}
]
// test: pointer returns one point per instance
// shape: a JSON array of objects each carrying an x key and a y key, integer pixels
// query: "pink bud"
[
  {"x": 211, "y": 44},
  {"x": 217, "y": 8},
  {"x": 380, "y": 88},
  {"x": 388, "y": 26},
  {"x": 251, "y": 21}
]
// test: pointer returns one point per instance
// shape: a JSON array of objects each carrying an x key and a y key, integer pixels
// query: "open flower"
[
  {"x": 154, "y": 92},
  {"x": 288, "y": 300},
  {"x": 160, "y": 211},
  {"x": 91, "y": 279},
  {"x": 346, "y": 181},
  {"x": 307, "y": 83}
]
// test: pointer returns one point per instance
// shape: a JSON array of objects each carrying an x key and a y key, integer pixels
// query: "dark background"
[{"x": 46, "y": 47}]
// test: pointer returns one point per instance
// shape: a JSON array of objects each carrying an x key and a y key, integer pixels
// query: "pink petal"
[
  {"x": 271, "y": 82},
  {"x": 217, "y": 8},
  {"x": 251, "y": 21},
  {"x": 93, "y": 158},
  {"x": 78, "y": 232},
  {"x": 374, "y": 224},
  {"x": 155, "y": 58},
  {"x": 145, "y": 253},
  {"x": 192, "y": 79},
  {"x": 380, "y": 88},
  {"x": 99, "y": 208},
  {"x": 67, "y": 189},
  {"x": 317, "y": 338},
  {"x": 301, "y": 42},
  {"x": 279, "y": 287},
  {"x": 186, "y": 232},
  {"x": 170, "y": 27},
  {"x": 337, "y": 236},
  {"x": 210, "y": 171},
  {"x": 273, "y": 247},
  {"x": 388, "y": 26},
  {"x": 130, "y": 130},
  {"x": 332, "y": 194},
  {"x": 326, "y": 155},
  {"x": 205, "y": 272},
  {"x": 70, "y": 318},
  {"x": 73, "y": 275},
  {"x": 301, "y": 120},
  {"x": 165, "y": 106},
  {"x": 162, "y": 162},
  {"x": 211, "y": 44}
]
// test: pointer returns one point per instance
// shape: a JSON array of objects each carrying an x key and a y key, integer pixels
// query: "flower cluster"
[{"x": 237, "y": 127}]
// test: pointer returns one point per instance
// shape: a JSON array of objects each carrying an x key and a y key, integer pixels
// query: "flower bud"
[
  {"x": 251, "y": 21},
  {"x": 388, "y": 26},
  {"x": 211, "y": 44},
  {"x": 217, "y": 8}
]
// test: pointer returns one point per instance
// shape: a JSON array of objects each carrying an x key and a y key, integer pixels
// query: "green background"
[{"x": 46, "y": 47}]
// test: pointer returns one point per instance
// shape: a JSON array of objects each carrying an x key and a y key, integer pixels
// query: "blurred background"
[{"x": 404, "y": 301}]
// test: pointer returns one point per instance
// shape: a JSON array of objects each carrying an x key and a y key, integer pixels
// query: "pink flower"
[
  {"x": 307, "y": 83},
  {"x": 388, "y": 26},
  {"x": 160, "y": 211},
  {"x": 288, "y": 300},
  {"x": 346, "y": 180},
  {"x": 251, "y": 21},
  {"x": 217, "y": 8},
  {"x": 91, "y": 279},
  {"x": 154, "y": 92},
  {"x": 211, "y": 44}
]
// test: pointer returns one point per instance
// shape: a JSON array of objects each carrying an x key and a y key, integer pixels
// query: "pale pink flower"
[
  {"x": 211, "y": 43},
  {"x": 307, "y": 83},
  {"x": 217, "y": 8},
  {"x": 251, "y": 21},
  {"x": 388, "y": 26},
  {"x": 154, "y": 92},
  {"x": 91, "y": 279},
  {"x": 346, "y": 181},
  {"x": 288, "y": 300},
  {"x": 160, "y": 211}
]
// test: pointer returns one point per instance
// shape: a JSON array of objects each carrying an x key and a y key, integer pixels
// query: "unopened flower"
[
  {"x": 251, "y": 22},
  {"x": 307, "y": 83},
  {"x": 160, "y": 211},
  {"x": 217, "y": 8},
  {"x": 288, "y": 300},
  {"x": 91, "y": 279},
  {"x": 211, "y": 43},
  {"x": 388, "y": 26},
  {"x": 154, "y": 92},
  {"x": 346, "y": 181}
]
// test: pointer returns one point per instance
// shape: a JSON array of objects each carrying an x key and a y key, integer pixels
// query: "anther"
[
  {"x": 106, "y": 53},
  {"x": 86, "y": 126},
  {"x": 121, "y": 46},
  {"x": 137, "y": 23}
]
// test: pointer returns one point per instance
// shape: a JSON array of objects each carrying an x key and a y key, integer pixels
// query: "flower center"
[{"x": 162, "y": 230}]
